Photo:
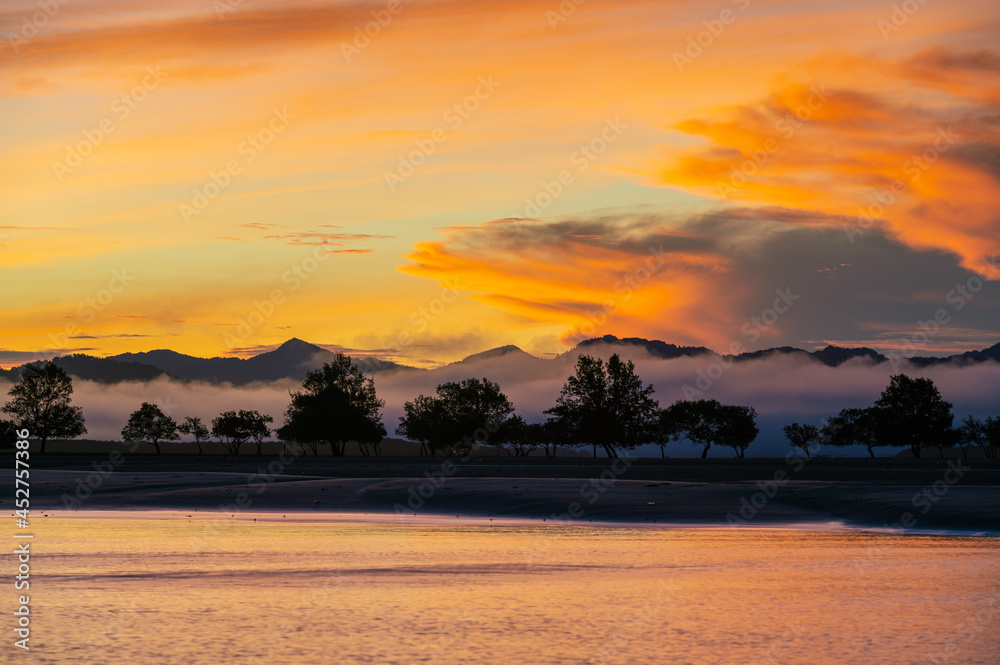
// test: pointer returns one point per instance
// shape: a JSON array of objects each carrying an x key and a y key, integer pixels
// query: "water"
[{"x": 193, "y": 591}]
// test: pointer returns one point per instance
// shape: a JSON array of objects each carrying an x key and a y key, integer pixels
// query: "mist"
[{"x": 781, "y": 389}]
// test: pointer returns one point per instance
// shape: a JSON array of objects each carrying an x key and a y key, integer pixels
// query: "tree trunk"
[
  {"x": 941, "y": 451},
  {"x": 871, "y": 453},
  {"x": 156, "y": 444},
  {"x": 915, "y": 450},
  {"x": 704, "y": 453},
  {"x": 198, "y": 443},
  {"x": 42, "y": 451},
  {"x": 663, "y": 453}
]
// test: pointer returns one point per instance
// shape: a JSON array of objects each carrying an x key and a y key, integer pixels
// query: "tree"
[
  {"x": 984, "y": 434},
  {"x": 40, "y": 403},
  {"x": 422, "y": 422},
  {"x": 520, "y": 438},
  {"x": 992, "y": 427},
  {"x": 706, "y": 421},
  {"x": 852, "y": 427},
  {"x": 461, "y": 414},
  {"x": 802, "y": 436},
  {"x": 911, "y": 412},
  {"x": 742, "y": 429},
  {"x": 606, "y": 405},
  {"x": 148, "y": 424},
  {"x": 234, "y": 428},
  {"x": 337, "y": 404},
  {"x": 552, "y": 435},
  {"x": 259, "y": 426},
  {"x": 194, "y": 427},
  {"x": 8, "y": 435}
]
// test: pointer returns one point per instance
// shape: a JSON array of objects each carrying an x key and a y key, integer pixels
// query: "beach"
[{"x": 915, "y": 495}]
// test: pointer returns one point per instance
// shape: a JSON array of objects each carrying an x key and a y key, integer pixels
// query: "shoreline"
[
  {"x": 898, "y": 507},
  {"x": 442, "y": 520}
]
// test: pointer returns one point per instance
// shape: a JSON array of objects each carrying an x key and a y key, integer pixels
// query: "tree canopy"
[
  {"x": 337, "y": 404},
  {"x": 519, "y": 438},
  {"x": 911, "y": 413},
  {"x": 234, "y": 428},
  {"x": 605, "y": 405},
  {"x": 148, "y": 424},
  {"x": 852, "y": 427},
  {"x": 194, "y": 427},
  {"x": 41, "y": 403},
  {"x": 8, "y": 434},
  {"x": 802, "y": 436},
  {"x": 462, "y": 413},
  {"x": 706, "y": 421},
  {"x": 985, "y": 434}
]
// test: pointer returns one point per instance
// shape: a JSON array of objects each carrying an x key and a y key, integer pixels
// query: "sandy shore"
[{"x": 941, "y": 507}]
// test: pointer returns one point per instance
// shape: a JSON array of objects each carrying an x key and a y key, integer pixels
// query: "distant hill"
[
  {"x": 294, "y": 358},
  {"x": 831, "y": 356},
  {"x": 101, "y": 370},
  {"x": 509, "y": 353},
  {"x": 291, "y": 360},
  {"x": 967, "y": 358},
  {"x": 654, "y": 347}
]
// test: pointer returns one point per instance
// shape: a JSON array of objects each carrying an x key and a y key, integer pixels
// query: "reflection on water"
[{"x": 173, "y": 591}]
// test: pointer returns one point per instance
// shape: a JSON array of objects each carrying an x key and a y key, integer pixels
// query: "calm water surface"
[{"x": 185, "y": 591}]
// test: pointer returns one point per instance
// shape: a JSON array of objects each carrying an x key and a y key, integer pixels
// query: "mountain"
[
  {"x": 967, "y": 358},
  {"x": 654, "y": 347},
  {"x": 294, "y": 358},
  {"x": 831, "y": 356},
  {"x": 291, "y": 360},
  {"x": 101, "y": 370}
]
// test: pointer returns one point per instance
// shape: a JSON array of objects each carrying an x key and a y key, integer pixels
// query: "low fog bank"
[{"x": 782, "y": 389}]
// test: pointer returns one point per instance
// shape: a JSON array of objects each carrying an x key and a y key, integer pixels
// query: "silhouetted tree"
[
  {"x": 553, "y": 434},
  {"x": 802, "y": 436},
  {"x": 337, "y": 404},
  {"x": 234, "y": 428},
  {"x": 520, "y": 438},
  {"x": 992, "y": 444},
  {"x": 40, "y": 403},
  {"x": 259, "y": 426},
  {"x": 742, "y": 429},
  {"x": 910, "y": 412},
  {"x": 706, "y": 421},
  {"x": 985, "y": 434},
  {"x": 422, "y": 422},
  {"x": 606, "y": 405},
  {"x": 8, "y": 435},
  {"x": 460, "y": 415},
  {"x": 148, "y": 424},
  {"x": 852, "y": 427},
  {"x": 194, "y": 427}
]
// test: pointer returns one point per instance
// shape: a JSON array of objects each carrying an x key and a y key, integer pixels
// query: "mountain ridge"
[{"x": 295, "y": 357}]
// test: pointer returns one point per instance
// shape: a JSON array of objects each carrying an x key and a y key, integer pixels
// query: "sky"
[{"x": 423, "y": 180}]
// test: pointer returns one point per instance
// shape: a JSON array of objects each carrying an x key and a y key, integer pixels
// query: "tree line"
[
  {"x": 910, "y": 413},
  {"x": 603, "y": 406}
]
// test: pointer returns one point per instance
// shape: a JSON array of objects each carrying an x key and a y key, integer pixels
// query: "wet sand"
[{"x": 938, "y": 505}]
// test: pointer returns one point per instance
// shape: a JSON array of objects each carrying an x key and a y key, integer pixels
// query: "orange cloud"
[
  {"x": 608, "y": 275},
  {"x": 924, "y": 161}
]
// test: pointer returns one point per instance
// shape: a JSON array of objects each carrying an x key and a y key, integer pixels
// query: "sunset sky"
[{"x": 218, "y": 177}]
